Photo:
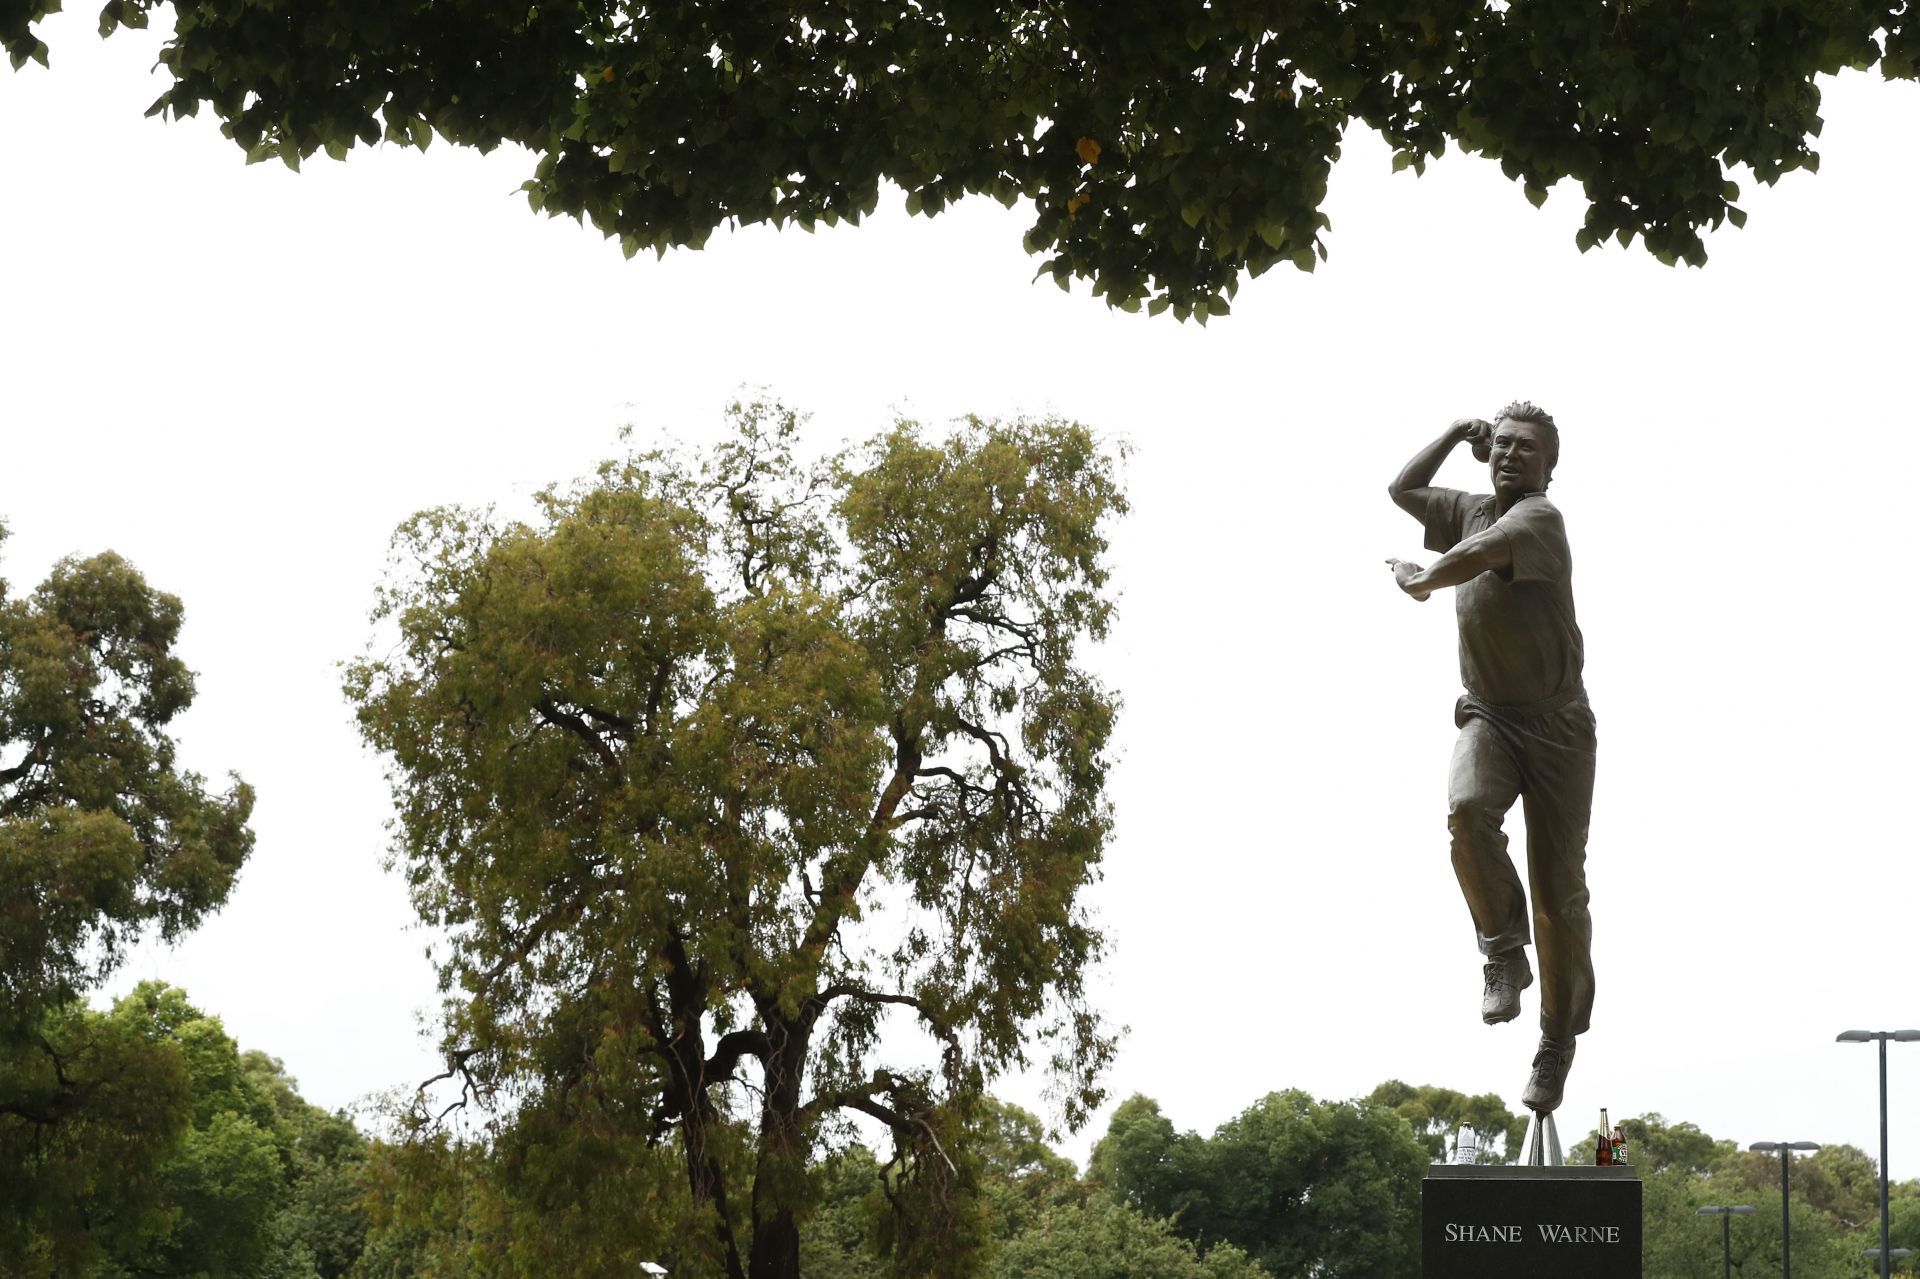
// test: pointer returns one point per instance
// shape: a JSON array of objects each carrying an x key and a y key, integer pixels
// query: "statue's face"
[{"x": 1518, "y": 457}]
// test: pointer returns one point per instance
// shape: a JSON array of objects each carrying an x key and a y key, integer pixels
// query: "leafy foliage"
[
  {"x": 1435, "y": 1114},
  {"x": 1165, "y": 148},
  {"x": 1103, "y": 1239},
  {"x": 1834, "y": 1209},
  {"x": 717, "y": 767},
  {"x": 102, "y": 837},
  {"x": 180, "y": 1155},
  {"x": 92, "y": 1105},
  {"x": 1302, "y": 1186}
]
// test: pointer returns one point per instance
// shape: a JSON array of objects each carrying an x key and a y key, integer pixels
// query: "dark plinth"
[{"x": 1493, "y": 1221}]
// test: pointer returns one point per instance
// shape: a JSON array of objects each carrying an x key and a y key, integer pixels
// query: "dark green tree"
[
  {"x": 183, "y": 1158},
  {"x": 1101, "y": 1238},
  {"x": 103, "y": 840},
  {"x": 840, "y": 1238},
  {"x": 1682, "y": 1169},
  {"x": 1437, "y": 1114},
  {"x": 1166, "y": 148},
  {"x": 712, "y": 770},
  {"x": 1014, "y": 1179},
  {"x": 1844, "y": 1182},
  {"x": 88, "y": 1120},
  {"x": 321, "y": 1227},
  {"x": 226, "y": 1178},
  {"x": 1024, "y": 1177},
  {"x": 99, "y": 829},
  {"x": 1655, "y": 1144},
  {"x": 1304, "y": 1187},
  {"x": 1145, "y": 1163}
]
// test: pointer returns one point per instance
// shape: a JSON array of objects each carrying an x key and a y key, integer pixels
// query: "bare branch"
[
  {"x": 734, "y": 1045},
  {"x": 565, "y": 912},
  {"x": 552, "y": 714}
]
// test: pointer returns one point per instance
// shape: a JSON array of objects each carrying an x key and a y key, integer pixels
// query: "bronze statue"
[{"x": 1526, "y": 731}]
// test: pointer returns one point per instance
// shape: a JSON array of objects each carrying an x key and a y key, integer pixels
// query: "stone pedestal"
[{"x": 1494, "y": 1221}]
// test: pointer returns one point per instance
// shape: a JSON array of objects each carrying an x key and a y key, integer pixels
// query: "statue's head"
[{"x": 1525, "y": 448}]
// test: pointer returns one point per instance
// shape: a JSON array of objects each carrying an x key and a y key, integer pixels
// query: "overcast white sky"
[{"x": 242, "y": 379}]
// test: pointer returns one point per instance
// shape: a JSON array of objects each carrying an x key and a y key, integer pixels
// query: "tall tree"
[
  {"x": 715, "y": 772},
  {"x": 1166, "y": 148},
  {"x": 103, "y": 839}
]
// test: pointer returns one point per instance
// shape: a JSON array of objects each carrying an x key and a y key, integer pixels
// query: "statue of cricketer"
[{"x": 1526, "y": 731}]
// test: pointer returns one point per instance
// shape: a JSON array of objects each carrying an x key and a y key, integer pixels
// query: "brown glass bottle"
[
  {"x": 1619, "y": 1144},
  {"x": 1603, "y": 1148}
]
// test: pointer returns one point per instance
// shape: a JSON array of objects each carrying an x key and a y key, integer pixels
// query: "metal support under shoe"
[{"x": 1543, "y": 1142}]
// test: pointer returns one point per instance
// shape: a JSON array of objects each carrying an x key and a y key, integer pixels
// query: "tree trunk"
[
  {"x": 779, "y": 1181},
  {"x": 707, "y": 1182}
]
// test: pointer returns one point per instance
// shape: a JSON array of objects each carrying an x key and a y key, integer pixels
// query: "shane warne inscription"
[{"x": 1494, "y": 1221}]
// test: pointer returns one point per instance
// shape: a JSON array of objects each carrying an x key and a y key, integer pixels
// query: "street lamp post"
[
  {"x": 1786, "y": 1149},
  {"x": 1891, "y": 1252},
  {"x": 1726, "y": 1215},
  {"x": 1881, "y": 1036}
]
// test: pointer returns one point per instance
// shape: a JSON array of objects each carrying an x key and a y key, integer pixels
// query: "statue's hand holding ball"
[{"x": 1478, "y": 433}]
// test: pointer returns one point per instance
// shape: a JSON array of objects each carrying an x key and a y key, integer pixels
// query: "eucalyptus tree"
[{"x": 720, "y": 773}]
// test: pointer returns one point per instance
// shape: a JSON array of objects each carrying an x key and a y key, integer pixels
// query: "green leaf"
[{"x": 1536, "y": 194}]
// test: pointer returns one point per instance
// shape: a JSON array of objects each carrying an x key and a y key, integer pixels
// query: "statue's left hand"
[{"x": 1404, "y": 571}]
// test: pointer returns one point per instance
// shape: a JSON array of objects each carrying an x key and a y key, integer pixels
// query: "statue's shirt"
[{"x": 1520, "y": 646}]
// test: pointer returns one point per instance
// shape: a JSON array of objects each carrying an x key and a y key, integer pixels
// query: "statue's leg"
[
  {"x": 1558, "y": 806},
  {"x": 1482, "y": 784}
]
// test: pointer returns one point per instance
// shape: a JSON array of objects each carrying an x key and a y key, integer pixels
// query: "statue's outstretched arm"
[{"x": 1486, "y": 551}]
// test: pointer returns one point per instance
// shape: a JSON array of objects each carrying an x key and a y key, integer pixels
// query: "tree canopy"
[
  {"x": 103, "y": 838},
  {"x": 187, "y": 1157},
  {"x": 1303, "y": 1187},
  {"x": 1165, "y": 148},
  {"x": 1436, "y": 1114},
  {"x": 717, "y": 769}
]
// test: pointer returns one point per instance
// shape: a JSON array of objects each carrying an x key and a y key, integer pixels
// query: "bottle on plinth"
[
  {"x": 1603, "y": 1148},
  {"x": 1619, "y": 1144}
]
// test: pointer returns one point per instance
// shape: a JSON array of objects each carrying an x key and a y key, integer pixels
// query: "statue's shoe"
[
  {"x": 1507, "y": 974},
  {"x": 1549, "y": 1079}
]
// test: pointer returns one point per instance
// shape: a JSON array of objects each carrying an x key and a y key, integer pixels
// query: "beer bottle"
[
  {"x": 1603, "y": 1148},
  {"x": 1619, "y": 1144}
]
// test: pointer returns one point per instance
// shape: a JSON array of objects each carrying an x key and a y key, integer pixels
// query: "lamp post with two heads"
[
  {"x": 1881, "y": 1037},
  {"x": 1726, "y": 1215},
  {"x": 1786, "y": 1149}
]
